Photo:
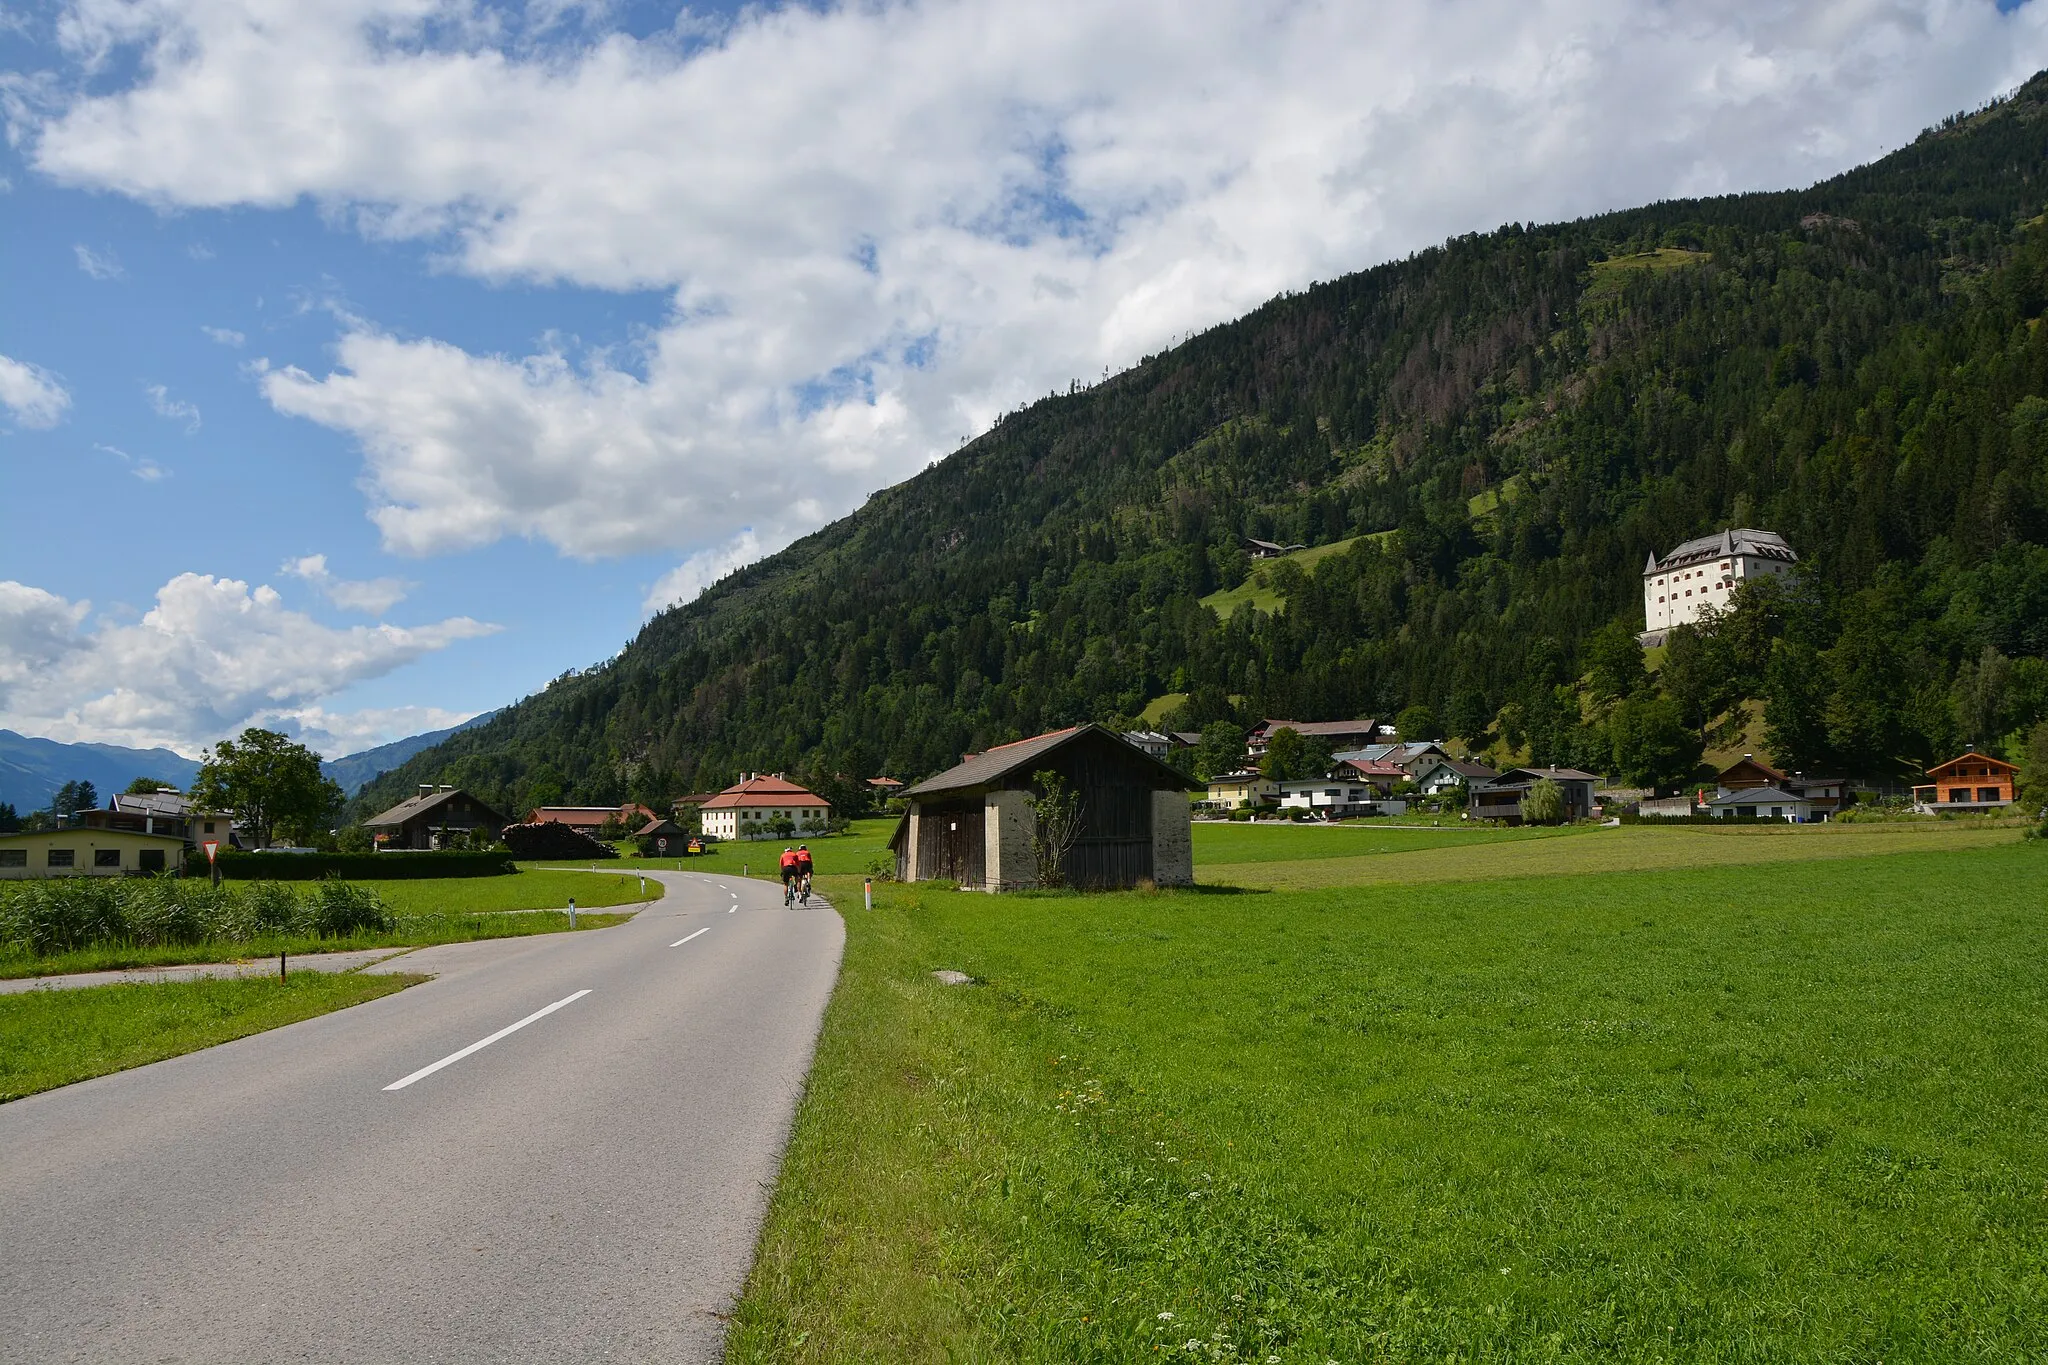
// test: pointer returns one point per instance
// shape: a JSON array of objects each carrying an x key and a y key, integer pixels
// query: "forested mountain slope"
[{"x": 1861, "y": 366}]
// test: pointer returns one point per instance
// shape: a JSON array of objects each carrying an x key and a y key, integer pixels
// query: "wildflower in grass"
[{"x": 1166, "y": 1317}]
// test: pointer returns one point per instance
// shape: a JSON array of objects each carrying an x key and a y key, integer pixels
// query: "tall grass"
[{"x": 45, "y": 918}]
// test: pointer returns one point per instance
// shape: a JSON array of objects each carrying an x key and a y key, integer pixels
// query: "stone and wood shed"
[{"x": 972, "y": 825}]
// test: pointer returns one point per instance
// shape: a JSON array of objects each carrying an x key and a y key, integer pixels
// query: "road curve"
[{"x": 588, "y": 1186}]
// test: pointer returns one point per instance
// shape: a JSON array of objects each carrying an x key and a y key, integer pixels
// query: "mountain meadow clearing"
[{"x": 1665, "y": 1106}]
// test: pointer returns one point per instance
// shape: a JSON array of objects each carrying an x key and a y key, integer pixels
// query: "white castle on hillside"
[{"x": 1705, "y": 573}]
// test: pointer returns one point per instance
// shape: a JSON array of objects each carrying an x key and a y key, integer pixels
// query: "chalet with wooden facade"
[
  {"x": 973, "y": 824},
  {"x": 435, "y": 818},
  {"x": 1973, "y": 782},
  {"x": 1500, "y": 798}
]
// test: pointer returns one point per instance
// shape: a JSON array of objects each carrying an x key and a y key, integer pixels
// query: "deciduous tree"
[{"x": 269, "y": 783}]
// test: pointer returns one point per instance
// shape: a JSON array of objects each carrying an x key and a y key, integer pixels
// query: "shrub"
[{"x": 337, "y": 909}]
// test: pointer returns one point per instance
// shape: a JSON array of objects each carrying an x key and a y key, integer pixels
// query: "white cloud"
[
  {"x": 31, "y": 393},
  {"x": 101, "y": 265},
  {"x": 226, "y": 336},
  {"x": 145, "y": 469},
  {"x": 174, "y": 409},
  {"x": 211, "y": 657},
  {"x": 372, "y": 596},
  {"x": 337, "y": 733},
  {"x": 883, "y": 225},
  {"x": 682, "y": 583}
]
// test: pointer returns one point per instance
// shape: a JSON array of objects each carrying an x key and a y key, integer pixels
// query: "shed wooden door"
[
  {"x": 1115, "y": 847},
  {"x": 950, "y": 846}
]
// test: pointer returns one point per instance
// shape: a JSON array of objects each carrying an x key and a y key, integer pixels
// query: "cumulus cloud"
[
  {"x": 882, "y": 225},
  {"x": 336, "y": 733},
  {"x": 101, "y": 265},
  {"x": 682, "y": 583},
  {"x": 371, "y": 596},
  {"x": 226, "y": 336},
  {"x": 31, "y": 393},
  {"x": 173, "y": 409},
  {"x": 212, "y": 656}
]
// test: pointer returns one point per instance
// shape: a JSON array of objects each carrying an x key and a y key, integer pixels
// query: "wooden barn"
[{"x": 972, "y": 825}]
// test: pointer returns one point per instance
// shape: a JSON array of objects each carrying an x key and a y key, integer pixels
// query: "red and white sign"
[{"x": 212, "y": 846}]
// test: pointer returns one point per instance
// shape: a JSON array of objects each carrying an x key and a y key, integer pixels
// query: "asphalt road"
[{"x": 587, "y": 1187}]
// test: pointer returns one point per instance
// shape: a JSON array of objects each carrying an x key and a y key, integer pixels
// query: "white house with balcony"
[{"x": 1705, "y": 573}]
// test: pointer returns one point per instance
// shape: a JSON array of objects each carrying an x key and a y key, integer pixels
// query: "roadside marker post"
[
  {"x": 867, "y": 893},
  {"x": 643, "y": 886},
  {"x": 572, "y": 912},
  {"x": 280, "y": 966}
]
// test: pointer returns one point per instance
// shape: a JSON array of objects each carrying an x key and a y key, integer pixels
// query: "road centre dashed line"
[
  {"x": 480, "y": 1044},
  {"x": 687, "y": 937}
]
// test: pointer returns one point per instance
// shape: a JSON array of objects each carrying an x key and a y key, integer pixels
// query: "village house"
[
  {"x": 973, "y": 824},
  {"x": 1823, "y": 796},
  {"x": 1414, "y": 756},
  {"x": 1340, "y": 735},
  {"x": 1336, "y": 798},
  {"x": 84, "y": 851},
  {"x": 1973, "y": 782},
  {"x": 435, "y": 817},
  {"x": 1760, "y": 803},
  {"x": 160, "y": 812},
  {"x": 1446, "y": 774},
  {"x": 590, "y": 819},
  {"x": 1381, "y": 775},
  {"x": 1268, "y": 549},
  {"x": 1500, "y": 798},
  {"x": 1241, "y": 791},
  {"x": 1705, "y": 573},
  {"x": 754, "y": 805},
  {"x": 1153, "y": 742}
]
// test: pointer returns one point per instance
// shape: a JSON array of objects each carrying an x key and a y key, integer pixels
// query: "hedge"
[{"x": 360, "y": 867}]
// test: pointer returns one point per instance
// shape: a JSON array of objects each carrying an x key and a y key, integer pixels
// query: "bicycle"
[
  {"x": 788, "y": 892},
  {"x": 804, "y": 891}
]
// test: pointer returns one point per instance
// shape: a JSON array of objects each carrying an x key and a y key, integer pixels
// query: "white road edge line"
[
  {"x": 687, "y": 937},
  {"x": 482, "y": 1043}
]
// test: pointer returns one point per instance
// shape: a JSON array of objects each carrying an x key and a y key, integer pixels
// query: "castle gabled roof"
[{"x": 1723, "y": 545}]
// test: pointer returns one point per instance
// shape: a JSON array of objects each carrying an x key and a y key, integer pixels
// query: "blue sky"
[{"x": 530, "y": 319}]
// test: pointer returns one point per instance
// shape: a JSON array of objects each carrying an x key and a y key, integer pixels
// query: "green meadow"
[
  {"x": 53, "y": 1038},
  {"x": 1663, "y": 1097}
]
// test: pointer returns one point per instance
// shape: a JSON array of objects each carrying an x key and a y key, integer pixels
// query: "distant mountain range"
[
  {"x": 355, "y": 771},
  {"x": 32, "y": 769}
]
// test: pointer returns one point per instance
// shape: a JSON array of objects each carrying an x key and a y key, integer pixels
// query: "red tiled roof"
[{"x": 765, "y": 791}]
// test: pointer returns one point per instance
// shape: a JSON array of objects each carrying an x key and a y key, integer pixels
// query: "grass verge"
[
  {"x": 1783, "y": 1112},
  {"x": 410, "y": 931},
  {"x": 53, "y": 1038}
]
